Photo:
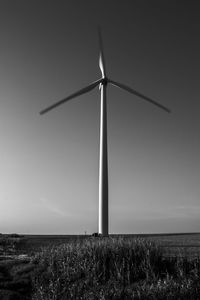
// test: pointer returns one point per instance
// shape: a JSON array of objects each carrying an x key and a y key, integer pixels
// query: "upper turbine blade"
[
  {"x": 76, "y": 94},
  {"x": 130, "y": 90},
  {"x": 101, "y": 55}
]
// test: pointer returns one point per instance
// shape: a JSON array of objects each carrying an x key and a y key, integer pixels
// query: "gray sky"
[{"x": 49, "y": 164}]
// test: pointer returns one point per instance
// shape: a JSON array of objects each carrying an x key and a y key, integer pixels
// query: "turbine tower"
[{"x": 103, "y": 152}]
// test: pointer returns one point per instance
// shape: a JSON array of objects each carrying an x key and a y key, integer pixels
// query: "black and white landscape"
[{"x": 134, "y": 184}]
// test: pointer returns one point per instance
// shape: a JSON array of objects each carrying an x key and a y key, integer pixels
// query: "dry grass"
[{"x": 113, "y": 268}]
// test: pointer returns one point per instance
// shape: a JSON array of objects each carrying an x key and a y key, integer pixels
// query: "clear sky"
[{"x": 49, "y": 163}]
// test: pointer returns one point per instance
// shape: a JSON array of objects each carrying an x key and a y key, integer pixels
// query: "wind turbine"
[{"x": 103, "y": 153}]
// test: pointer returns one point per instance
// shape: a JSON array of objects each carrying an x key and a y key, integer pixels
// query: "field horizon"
[{"x": 111, "y": 234}]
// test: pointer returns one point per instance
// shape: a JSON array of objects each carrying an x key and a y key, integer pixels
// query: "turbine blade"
[
  {"x": 76, "y": 94},
  {"x": 101, "y": 55},
  {"x": 132, "y": 91}
]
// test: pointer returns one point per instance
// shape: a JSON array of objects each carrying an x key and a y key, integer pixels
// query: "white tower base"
[{"x": 103, "y": 165}]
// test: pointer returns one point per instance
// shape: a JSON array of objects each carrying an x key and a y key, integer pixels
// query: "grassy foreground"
[{"x": 113, "y": 268}]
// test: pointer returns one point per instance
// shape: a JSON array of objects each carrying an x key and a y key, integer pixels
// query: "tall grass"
[{"x": 113, "y": 268}]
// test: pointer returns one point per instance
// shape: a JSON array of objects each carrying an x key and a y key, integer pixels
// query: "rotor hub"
[{"x": 104, "y": 81}]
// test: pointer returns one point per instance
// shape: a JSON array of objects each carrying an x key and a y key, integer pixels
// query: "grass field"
[
  {"x": 185, "y": 244},
  {"x": 42, "y": 267}
]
